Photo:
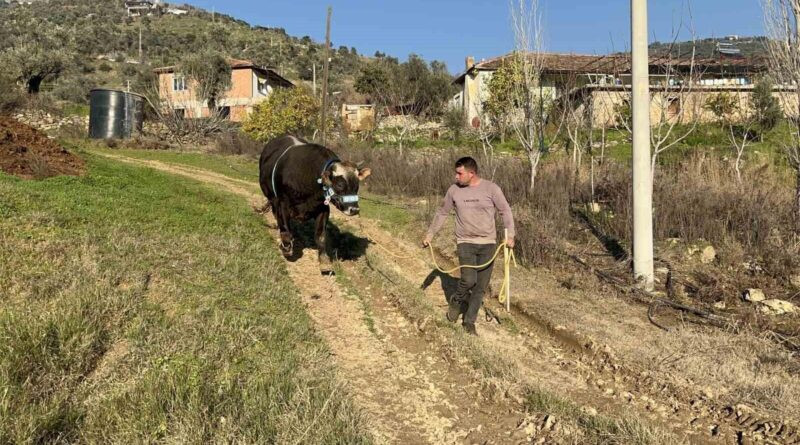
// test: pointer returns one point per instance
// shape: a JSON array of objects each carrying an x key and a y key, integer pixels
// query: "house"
[
  {"x": 604, "y": 81},
  {"x": 250, "y": 84},
  {"x": 138, "y": 8},
  {"x": 356, "y": 118}
]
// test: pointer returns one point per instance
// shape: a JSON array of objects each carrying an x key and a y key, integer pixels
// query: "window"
[{"x": 178, "y": 83}]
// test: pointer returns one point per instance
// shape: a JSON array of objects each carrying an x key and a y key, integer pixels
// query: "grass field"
[{"x": 139, "y": 307}]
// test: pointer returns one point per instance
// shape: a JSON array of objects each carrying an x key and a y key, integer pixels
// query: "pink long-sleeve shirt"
[{"x": 475, "y": 208}]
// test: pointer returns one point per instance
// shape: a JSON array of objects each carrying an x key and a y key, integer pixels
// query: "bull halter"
[{"x": 329, "y": 193}]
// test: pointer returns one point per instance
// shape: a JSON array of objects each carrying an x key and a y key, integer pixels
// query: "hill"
[
  {"x": 709, "y": 47},
  {"x": 102, "y": 43}
]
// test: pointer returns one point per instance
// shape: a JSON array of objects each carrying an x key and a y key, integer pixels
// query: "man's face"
[{"x": 464, "y": 176}]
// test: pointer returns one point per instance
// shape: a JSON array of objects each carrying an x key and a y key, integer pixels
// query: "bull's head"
[{"x": 344, "y": 178}]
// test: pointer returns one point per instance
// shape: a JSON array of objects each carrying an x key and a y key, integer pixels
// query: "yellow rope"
[{"x": 508, "y": 258}]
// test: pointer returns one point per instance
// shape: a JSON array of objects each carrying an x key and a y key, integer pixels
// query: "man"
[{"x": 475, "y": 201}]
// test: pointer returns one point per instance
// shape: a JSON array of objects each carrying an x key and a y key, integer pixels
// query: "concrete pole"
[
  {"x": 324, "y": 111},
  {"x": 642, "y": 181}
]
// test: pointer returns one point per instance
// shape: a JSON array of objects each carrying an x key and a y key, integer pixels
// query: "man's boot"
[{"x": 453, "y": 310}]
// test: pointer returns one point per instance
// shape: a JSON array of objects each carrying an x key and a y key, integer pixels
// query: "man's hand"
[
  {"x": 427, "y": 241},
  {"x": 510, "y": 243}
]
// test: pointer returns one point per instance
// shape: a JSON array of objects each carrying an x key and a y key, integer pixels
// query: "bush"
[
  {"x": 237, "y": 143},
  {"x": 286, "y": 111},
  {"x": 453, "y": 120},
  {"x": 11, "y": 96}
]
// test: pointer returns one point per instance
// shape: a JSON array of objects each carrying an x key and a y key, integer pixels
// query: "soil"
[
  {"x": 580, "y": 341},
  {"x": 28, "y": 153}
]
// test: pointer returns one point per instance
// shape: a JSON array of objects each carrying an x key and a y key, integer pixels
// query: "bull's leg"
[
  {"x": 320, "y": 237},
  {"x": 282, "y": 218}
]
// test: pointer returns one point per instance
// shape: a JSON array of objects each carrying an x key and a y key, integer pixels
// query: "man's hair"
[{"x": 468, "y": 163}]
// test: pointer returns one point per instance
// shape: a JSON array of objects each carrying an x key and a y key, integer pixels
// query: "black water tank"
[{"x": 115, "y": 114}]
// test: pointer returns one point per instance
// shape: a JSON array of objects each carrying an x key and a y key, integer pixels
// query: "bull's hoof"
[
  {"x": 287, "y": 248},
  {"x": 325, "y": 265}
]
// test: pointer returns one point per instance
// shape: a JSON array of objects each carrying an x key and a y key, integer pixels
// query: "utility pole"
[
  {"x": 324, "y": 111},
  {"x": 642, "y": 180},
  {"x": 314, "y": 77},
  {"x": 141, "y": 60}
]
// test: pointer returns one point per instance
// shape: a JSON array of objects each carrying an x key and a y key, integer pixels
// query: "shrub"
[
  {"x": 237, "y": 143},
  {"x": 11, "y": 96},
  {"x": 453, "y": 120},
  {"x": 286, "y": 111}
]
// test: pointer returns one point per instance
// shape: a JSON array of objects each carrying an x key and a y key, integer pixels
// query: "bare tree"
[
  {"x": 738, "y": 120},
  {"x": 782, "y": 22},
  {"x": 180, "y": 115},
  {"x": 674, "y": 110},
  {"x": 529, "y": 127}
]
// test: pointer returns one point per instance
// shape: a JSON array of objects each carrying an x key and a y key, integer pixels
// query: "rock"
[
  {"x": 708, "y": 255},
  {"x": 795, "y": 280},
  {"x": 549, "y": 423},
  {"x": 754, "y": 295},
  {"x": 776, "y": 307},
  {"x": 588, "y": 410},
  {"x": 719, "y": 305}
]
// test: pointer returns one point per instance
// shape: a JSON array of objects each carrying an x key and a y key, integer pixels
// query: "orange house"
[{"x": 250, "y": 84}]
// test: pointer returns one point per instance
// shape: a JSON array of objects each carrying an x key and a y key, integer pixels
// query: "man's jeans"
[{"x": 473, "y": 282}]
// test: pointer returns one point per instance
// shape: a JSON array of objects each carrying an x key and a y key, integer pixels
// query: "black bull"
[{"x": 300, "y": 179}]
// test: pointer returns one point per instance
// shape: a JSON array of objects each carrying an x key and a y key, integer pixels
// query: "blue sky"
[{"x": 449, "y": 30}]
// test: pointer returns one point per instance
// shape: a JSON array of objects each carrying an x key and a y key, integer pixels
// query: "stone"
[
  {"x": 776, "y": 307},
  {"x": 708, "y": 255},
  {"x": 795, "y": 280},
  {"x": 588, "y": 410},
  {"x": 754, "y": 295},
  {"x": 719, "y": 305}
]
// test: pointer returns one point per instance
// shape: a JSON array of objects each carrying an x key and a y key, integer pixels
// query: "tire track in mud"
[
  {"x": 397, "y": 377},
  {"x": 408, "y": 392}
]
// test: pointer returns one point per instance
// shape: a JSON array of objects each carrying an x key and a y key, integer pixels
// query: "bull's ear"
[{"x": 363, "y": 173}]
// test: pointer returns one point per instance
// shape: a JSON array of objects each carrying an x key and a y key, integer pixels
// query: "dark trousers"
[{"x": 473, "y": 282}]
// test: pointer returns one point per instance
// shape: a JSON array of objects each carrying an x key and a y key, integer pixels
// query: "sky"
[{"x": 450, "y": 30}]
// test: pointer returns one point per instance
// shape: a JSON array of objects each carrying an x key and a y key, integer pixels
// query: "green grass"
[{"x": 137, "y": 307}]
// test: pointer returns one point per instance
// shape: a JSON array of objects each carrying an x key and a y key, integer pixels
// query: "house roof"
[
  {"x": 554, "y": 63},
  {"x": 235, "y": 65}
]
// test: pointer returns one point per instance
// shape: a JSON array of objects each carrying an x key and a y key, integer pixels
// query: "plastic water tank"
[{"x": 115, "y": 114}]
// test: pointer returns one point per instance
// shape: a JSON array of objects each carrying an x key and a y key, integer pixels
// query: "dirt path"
[
  {"x": 410, "y": 394},
  {"x": 415, "y": 394}
]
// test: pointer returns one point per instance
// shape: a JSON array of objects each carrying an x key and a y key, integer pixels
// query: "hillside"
[
  {"x": 103, "y": 43},
  {"x": 749, "y": 46}
]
